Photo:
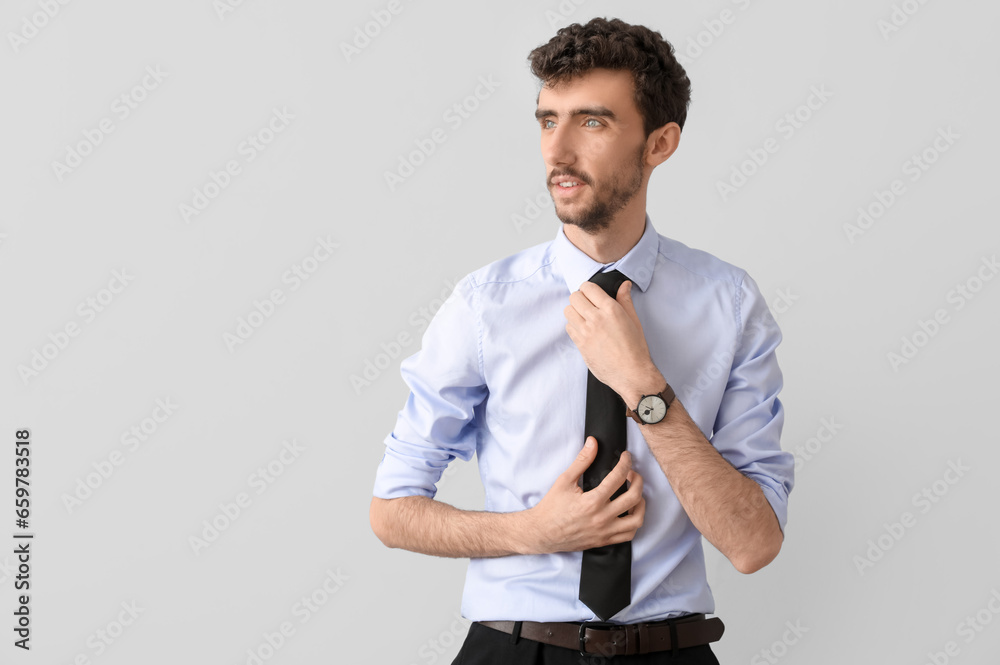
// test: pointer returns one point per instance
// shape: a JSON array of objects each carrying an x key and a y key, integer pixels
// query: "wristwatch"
[{"x": 651, "y": 409}]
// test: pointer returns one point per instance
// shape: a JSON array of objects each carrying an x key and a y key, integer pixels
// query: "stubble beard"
[{"x": 621, "y": 191}]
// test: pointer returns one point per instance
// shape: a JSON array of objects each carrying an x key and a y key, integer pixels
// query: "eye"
[{"x": 593, "y": 120}]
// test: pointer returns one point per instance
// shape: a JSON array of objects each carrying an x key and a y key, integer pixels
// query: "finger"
[
  {"x": 634, "y": 518},
  {"x": 573, "y": 335},
  {"x": 583, "y": 460},
  {"x": 624, "y": 294},
  {"x": 573, "y": 316},
  {"x": 626, "y": 527},
  {"x": 629, "y": 526},
  {"x": 597, "y": 296},
  {"x": 630, "y": 498},
  {"x": 615, "y": 478},
  {"x": 636, "y": 479},
  {"x": 579, "y": 301},
  {"x": 624, "y": 299}
]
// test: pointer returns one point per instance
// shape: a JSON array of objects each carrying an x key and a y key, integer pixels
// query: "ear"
[{"x": 662, "y": 143}]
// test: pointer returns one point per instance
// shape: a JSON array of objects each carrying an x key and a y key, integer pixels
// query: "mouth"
[{"x": 567, "y": 186}]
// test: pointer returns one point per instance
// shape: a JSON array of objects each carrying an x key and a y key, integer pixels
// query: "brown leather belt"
[{"x": 610, "y": 639}]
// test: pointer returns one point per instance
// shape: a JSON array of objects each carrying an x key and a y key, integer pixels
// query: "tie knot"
[{"x": 610, "y": 281}]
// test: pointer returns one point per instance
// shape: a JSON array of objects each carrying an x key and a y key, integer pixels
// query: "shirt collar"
[{"x": 637, "y": 264}]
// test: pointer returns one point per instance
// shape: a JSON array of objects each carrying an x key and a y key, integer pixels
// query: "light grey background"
[{"x": 843, "y": 307}]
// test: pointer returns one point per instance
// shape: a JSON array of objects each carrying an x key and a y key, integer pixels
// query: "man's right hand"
[{"x": 567, "y": 519}]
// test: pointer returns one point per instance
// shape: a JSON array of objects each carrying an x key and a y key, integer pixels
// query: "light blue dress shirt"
[{"x": 497, "y": 375}]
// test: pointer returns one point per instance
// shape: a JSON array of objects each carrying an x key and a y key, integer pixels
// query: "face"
[{"x": 593, "y": 141}]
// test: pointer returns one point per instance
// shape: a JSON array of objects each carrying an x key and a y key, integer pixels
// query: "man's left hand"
[{"x": 609, "y": 336}]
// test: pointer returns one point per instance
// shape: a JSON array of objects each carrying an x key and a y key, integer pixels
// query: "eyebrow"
[{"x": 599, "y": 111}]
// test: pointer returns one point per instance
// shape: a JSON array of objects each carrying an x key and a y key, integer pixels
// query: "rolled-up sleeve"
[
  {"x": 748, "y": 427},
  {"x": 438, "y": 421}
]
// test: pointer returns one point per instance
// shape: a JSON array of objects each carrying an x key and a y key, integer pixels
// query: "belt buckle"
[{"x": 582, "y": 647}]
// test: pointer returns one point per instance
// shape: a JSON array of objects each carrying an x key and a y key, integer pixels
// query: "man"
[{"x": 685, "y": 345}]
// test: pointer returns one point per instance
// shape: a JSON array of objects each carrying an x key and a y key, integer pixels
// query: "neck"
[{"x": 615, "y": 241}]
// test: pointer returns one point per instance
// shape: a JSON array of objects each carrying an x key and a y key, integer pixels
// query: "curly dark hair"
[{"x": 662, "y": 87}]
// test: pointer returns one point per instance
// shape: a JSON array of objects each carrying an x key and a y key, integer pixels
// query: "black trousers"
[{"x": 486, "y": 646}]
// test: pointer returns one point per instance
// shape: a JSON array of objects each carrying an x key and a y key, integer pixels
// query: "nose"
[{"x": 558, "y": 146}]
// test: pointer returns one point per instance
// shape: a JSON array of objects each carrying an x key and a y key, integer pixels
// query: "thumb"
[
  {"x": 587, "y": 455},
  {"x": 624, "y": 299}
]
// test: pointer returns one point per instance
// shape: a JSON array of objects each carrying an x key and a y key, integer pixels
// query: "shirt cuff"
[
  {"x": 402, "y": 474},
  {"x": 778, "y": 498}
]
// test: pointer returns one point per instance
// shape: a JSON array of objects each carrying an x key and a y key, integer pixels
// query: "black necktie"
[{"x": 606, "y": 574}]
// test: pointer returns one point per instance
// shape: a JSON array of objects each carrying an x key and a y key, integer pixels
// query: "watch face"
[{"x": 652, "y": 409}]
